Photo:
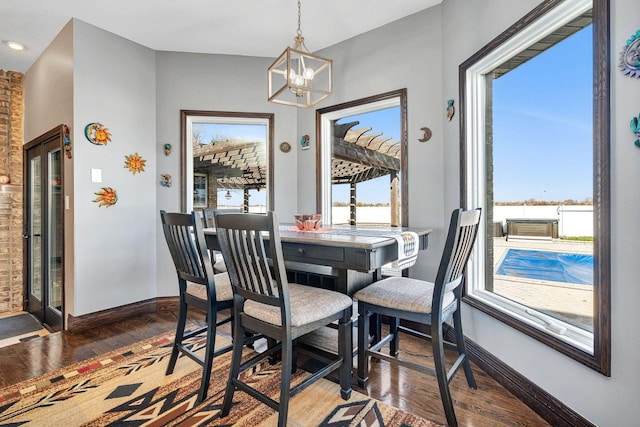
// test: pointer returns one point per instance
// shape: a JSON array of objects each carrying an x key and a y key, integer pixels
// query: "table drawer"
[{"x": 317, "y": 253}]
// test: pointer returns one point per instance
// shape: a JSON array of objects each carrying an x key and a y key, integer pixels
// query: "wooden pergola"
[
  {"x": 231, "y": 165},
  {"x": 360, "y": 156}
]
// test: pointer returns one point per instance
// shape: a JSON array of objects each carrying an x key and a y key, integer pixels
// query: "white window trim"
[
  {"x": 326, "y": 145},
  {"x": 476, "y": 176}
]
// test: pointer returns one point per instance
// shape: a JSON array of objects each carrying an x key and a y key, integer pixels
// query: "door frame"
[{"x": 49, "y": 141}]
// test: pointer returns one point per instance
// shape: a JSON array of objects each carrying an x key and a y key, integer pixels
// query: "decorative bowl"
[{"x": 308, "y": 221}]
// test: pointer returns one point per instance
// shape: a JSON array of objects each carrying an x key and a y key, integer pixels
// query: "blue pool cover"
[{"x": 542, "y": 265}]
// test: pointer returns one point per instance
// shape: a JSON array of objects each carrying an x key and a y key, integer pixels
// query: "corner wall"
[
  {"x": 113, "y": 84},
  {"x": 403, "y": 54},
  {"x": 603, "y": 401}
]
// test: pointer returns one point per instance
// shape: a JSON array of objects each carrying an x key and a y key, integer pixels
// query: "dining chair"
[
  {"x": 423, "y": 303},
  {"x": 207, "y": 217},
  {"x": 199, "y": 288},
  {"x": 265, "y": 302}
]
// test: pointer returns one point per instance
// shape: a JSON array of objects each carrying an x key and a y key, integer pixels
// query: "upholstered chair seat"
[{"x": 223, "y": 288}]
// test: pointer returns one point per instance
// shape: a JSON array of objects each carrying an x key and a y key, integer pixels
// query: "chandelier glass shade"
[{"x": 298, "y": 77}]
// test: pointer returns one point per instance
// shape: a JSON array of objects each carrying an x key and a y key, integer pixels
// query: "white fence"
[{"x": 575, "y": 220}]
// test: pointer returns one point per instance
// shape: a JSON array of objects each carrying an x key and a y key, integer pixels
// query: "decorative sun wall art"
[
  {"x": 107, "y": 196},
  {"x": 630, "y": 57},
  {"x": 97, "y": 134},
  {"x": 134, "y": 163},
  {"x": 165, "y": 180}
]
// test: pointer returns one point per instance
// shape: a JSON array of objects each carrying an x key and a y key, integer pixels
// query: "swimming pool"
[{"x": 543, "y": 265}]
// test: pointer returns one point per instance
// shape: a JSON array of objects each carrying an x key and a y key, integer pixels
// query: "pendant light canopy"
[{"x": 299, "y": 78}]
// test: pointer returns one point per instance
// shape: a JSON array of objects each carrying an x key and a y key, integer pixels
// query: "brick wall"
[{"x": 11, "y": 142}]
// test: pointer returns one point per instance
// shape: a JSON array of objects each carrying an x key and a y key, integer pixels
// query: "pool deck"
[{"x": 571, "y": 303}]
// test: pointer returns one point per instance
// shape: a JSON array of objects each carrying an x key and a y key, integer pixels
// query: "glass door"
[
  {"x": 33, "y": 232},
  {"x": 55, "y": 217},
  {"x": 44, "y": 228}
]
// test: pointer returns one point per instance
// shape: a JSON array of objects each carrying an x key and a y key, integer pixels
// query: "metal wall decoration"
[
  {"x": 285, "y": 147},
  {"x": 134, "y": 163},
  {"x": 97, "y": 134},
  {"x": 167, "y": 149},
  {"x": 451, "y": 110},
  {"x": 630, "y": 57},
  {"x": 67, "y": 141},
  {"x": 304, "y": 142},
  {"x": 107, "y": 196},
  {"x": 165, "y": 180},
  {"x": 635, "y": 128},
  {"x": 427, "y": 134}
]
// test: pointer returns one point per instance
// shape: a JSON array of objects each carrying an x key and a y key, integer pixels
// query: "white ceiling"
[{"x": 239, "y": 27}]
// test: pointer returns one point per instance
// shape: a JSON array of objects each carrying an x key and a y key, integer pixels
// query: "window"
[
  {"x": 227, "y": 160},
  {"x": 535, "y": 156},
  {"x": 199, "y": 190},
  {"x": 362, "y": 157}
]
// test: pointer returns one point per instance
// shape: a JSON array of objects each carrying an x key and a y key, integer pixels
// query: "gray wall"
[
  {"x": 604, "y": 401},
  {"x": 403, "y": 54},
  {"x": 188, "y": 81},
  {"x": 114, "y": 85}
]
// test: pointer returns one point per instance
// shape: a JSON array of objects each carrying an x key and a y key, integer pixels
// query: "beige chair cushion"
[
  {"x": 223, "y": 288},
  {"x": 402, "y": 293},
  {"x": 308, "y": 304}
]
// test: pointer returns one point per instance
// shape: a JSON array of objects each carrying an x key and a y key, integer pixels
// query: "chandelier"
[{"x": 299, "y": 78}]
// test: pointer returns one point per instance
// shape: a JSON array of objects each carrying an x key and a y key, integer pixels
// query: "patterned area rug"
[{"x": 129, "y": 387}]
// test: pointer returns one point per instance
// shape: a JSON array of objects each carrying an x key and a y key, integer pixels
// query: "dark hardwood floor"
[{"x": 488, "y": 406}]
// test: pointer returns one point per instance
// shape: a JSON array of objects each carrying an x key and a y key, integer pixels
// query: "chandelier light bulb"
[
  {"x": 299, "y": 80},
  {"x": 308, "y": 74}
]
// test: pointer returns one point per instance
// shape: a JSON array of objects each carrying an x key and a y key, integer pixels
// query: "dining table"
[{"x": 340, "y": 257}]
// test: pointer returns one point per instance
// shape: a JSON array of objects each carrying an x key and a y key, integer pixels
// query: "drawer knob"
[{"x": 301, "y": 251}]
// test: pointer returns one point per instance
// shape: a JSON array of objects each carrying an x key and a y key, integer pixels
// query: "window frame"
[
  {"x": 224, "y": 117},
  {"x": 324, "y": 151},
  {"x": 598, "y": 356}
]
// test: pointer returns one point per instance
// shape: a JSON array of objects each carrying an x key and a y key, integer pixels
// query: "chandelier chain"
[{"x": 299, "y": 31}]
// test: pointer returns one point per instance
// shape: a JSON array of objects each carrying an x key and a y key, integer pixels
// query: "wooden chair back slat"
[
  {"x": 185, "y": 241},
  {"x": 247, "y": 254},
  {"x": 463, "y": 229}
]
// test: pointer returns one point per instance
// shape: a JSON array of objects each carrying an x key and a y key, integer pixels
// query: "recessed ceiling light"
[{"x": 14, "y": 45}]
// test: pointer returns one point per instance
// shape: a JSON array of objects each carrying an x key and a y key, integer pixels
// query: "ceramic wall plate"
[
  {"x": 285, "y": 147},
  {"x": 97, "y": 134}
]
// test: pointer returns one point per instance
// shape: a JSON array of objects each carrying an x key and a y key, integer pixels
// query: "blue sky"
[
  {"x": 542, "y": 129},
  {"x": 543, "y": 137},
  {"x": 386, "y": 121}
]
